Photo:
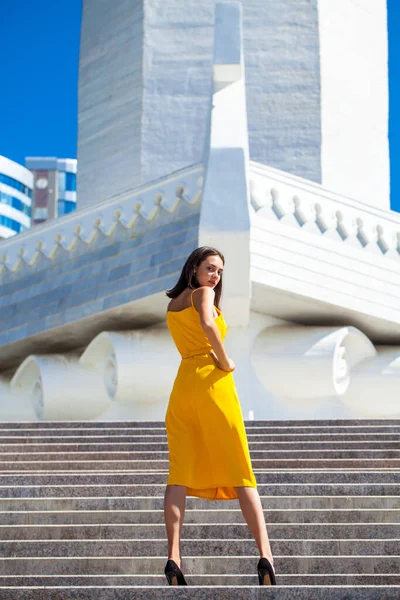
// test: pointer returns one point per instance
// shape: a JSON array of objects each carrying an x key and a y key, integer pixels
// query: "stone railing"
[
  {"x": 135, "y": 210},
  {"x": 300, "y": 203}
]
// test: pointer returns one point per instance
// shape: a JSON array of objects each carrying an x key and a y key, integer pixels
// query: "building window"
[
  {"x": 61, "y": 183},
  {"x": 17, "y": 185},
  {"x": 65, "y": 207},
  {"x": 70, "y": 182},
  {"x": 15, "y": 203},
  {"x": 12, "y": 224},
  {"x": 66, "y": 182},
  {"x": 40, "y": 213}
]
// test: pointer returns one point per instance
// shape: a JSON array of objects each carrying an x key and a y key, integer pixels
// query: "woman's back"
[{"x": 186, "y": 330}]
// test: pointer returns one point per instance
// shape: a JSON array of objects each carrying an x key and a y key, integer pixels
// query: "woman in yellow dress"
[{"x": 208, "y": 449}]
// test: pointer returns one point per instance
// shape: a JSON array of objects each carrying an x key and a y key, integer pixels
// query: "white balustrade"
[
  {"x": 136, "y": 209},
  {"x": 296, "y": 202}
]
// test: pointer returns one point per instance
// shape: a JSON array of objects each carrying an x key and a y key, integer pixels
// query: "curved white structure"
[
  {"x": 58, "y": 387},
  {"x": 16, "y": 184},
  {"x": 116, "y": 368},
  {"x": 15, "y": 403},
  {"x": 137, "y": 369},
  {"x": 375, "y": 385},
  {"x": 318, "y": 359},
  {"x": 130, "y": 375}
]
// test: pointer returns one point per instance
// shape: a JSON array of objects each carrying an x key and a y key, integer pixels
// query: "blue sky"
[
  {"x": 394, "y": 101},
  {"x": 39, "y": 67},
  {"x": 38, "y": 103}
]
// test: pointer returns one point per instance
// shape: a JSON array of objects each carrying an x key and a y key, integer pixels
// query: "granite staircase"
[{"x": 81, "y": 514}]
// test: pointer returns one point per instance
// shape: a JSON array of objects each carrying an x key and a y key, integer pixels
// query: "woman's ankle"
[
  {"x": 176, "y": 560},
  {"x": 268, "y": 556}
]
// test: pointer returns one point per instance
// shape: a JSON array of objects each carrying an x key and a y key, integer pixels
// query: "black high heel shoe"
[
  {"x": 266, "y": 574},
  {"x": 173, "y": 573}
]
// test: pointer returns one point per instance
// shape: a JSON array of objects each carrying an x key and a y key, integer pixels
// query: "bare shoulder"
[
  {"x": 203, "y": 300},
  {"x": 203, "y": 293}
]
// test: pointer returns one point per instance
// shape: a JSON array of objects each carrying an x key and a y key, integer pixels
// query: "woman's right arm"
[{"x": 203, "y": 301}]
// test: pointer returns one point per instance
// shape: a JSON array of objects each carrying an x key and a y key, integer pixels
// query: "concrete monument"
[{"x": 244, "y": 128}]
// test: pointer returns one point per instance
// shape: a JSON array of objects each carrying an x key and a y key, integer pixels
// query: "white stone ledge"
[
  {"x": 300, "y": 263},
  {"x": 143, "y": 203},
  {"x": 341, "y": 262},
  {"x": 297, "y": 202}
]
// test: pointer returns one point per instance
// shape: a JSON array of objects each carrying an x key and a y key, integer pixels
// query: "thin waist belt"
[{"x": 205, "y": 353}]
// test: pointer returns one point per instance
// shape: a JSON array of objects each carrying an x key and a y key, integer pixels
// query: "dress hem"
[{"x": 227, "y": 490}]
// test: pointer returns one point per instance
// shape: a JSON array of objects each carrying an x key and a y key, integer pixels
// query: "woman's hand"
[{"x": 229, "y": 366}]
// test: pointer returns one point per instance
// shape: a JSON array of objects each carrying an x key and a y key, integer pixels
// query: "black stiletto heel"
[
  {"x": 173, "y": 574},
  {"x": 266, "y": 574}
]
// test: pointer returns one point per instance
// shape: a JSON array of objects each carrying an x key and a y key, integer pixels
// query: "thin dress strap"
[{"x": 191, "y": 298}]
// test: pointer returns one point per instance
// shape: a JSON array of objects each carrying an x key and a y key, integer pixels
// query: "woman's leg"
[
  {"x": 251, "y": 506},
  {"x": 174, "y": 511}
]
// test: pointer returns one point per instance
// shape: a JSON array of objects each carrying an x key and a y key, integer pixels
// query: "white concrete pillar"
[
  {"x": 225, "y": 209},
  {"x": 354, "y": 99}
]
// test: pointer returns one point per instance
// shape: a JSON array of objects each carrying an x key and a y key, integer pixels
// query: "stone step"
[
  {"x": 83, "y": 499},
  {"x": 258, "y": 449},
  {"x": 20, "y": 450},
  {"x": 148, "y": 503},
  {"x": 229, "y": 515},
  {"x": 232, "y": 546},
  {"x": 99, "y": 452},
  {"x": 298, "y": 579},
  {"x": 283, "y": 489},
  {"x": 371, "y": 532},
  {"x": 145, "y": 424},
  {"x": 132, "y": 436},
  {"x": 161, "y": 437},
  {"x": 133, "y": 432},
  {"x": 389, "y": 464},
  {"x": 160, "y": 478},
  {"x": 97, "y": 425},
  {"x": 203, "y": 593},
  {"x": 197, "y": 564},
  {"x": 311, "y": 459},
  {"x": 157, "y": 466},
  {"x": 352, "y": 453},
  {"x": 129, "y": 442}
]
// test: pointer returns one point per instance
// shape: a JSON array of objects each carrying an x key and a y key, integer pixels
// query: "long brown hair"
[{"x": 188, "y": 277}]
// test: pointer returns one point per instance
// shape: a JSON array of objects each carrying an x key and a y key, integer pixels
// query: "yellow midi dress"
[{"x": 207, "y": 443}]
